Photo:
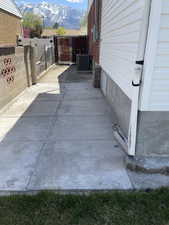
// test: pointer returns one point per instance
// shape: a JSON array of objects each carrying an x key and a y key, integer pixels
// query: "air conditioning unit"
[{"x": 84, "y": 63}]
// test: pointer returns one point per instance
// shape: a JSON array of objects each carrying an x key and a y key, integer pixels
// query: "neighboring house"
[
  {"x": 52, "y": 32},
  {"x": 134, "y": 61},
  {"x": 26, "y": 32},
  {"x": 10, "y": 23},
  {"x": 94, "y": 28},
  {"x": 13, "y": 72}
]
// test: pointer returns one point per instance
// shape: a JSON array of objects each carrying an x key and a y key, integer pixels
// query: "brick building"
[
  {"x": 94, "y": 30},
  {"x": 10, "y": 23}
]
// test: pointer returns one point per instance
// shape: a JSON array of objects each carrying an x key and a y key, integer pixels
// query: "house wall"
[
  {"x": 121, "y": 23},
  {"x": 120, "y": 33},
  {"x": 152, "y": 133},
  {"x": 155, "y": 92},
  {"x": 10, "y": 27},
  {"x": 120, "y": 103},
  {"x": 153, "y": 119},
  {"x": 120, "y": 39}
]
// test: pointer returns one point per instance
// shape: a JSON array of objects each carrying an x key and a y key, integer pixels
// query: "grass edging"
[{"x": 111, "y": 208}]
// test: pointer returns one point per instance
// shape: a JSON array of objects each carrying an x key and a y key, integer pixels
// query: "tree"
[
  {"x": 61, "y": 31},
  {"x": 56, "y": 26},
  {"x": 83, "y": 21},
  {"x": 34, "y": 23}
]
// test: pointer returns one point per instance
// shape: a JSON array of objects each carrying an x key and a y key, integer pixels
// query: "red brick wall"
[{"x": 94, "y": 45}]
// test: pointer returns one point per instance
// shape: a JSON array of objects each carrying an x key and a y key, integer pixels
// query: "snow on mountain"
[{"x": 66, "y": 16}]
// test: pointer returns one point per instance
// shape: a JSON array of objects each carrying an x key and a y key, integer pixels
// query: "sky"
[{"x": 81, "y": 4}]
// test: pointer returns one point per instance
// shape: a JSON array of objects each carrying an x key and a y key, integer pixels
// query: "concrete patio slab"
[
  {"x": 83, "y": 86},
  {"x": 25, "y": 129},
  {"x": 44, "y": 87},
  {"x": 17, "y": 163},
  {"x": 71, "y": 75},
  {"x": 84, "y": 107},
  {"x": 52, "y": 96},
  {"x": 43, "y": 92},
  {"x": 28, "y": 109},
  {"x": 82, "y": 91},
  {"x": 6, "y": 125},
  {"x": 74, "y": 96},
  {"x": 58, "y": 136},
  {"x": 80, "y": 165},
  {"x": 82, "y": 128},
  {"x": 54, "y": 74}
]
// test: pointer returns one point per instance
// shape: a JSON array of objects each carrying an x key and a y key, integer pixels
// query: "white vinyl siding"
[
  {"x": 120, "y": 34},
  {"x": 156, "y": 93},
  {"x": 159, "y": 97},
  {"x": 9, "y": 6}
]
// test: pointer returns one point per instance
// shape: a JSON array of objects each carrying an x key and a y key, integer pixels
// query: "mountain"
[{"x": 51, "y": 13}]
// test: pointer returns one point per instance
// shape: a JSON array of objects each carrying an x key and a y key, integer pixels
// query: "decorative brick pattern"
[
  {"x": 8, "y": 70},
  {"x": 13, "y": 78}
]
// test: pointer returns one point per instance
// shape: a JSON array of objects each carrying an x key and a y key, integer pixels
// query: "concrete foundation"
[
  {"x": 152, "y": 148},
  {"x": 120, "y": 103},
  {"x": 153, "y": 131},
  {"x": 96, "y": 75}
]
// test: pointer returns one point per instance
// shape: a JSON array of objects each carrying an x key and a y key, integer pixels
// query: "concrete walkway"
[{"x": 57, "y": 135}]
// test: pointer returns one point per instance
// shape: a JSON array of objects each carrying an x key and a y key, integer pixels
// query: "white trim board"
[{"x": 150, "y": 54}]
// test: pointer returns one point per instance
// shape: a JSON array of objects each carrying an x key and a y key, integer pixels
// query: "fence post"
[
  {"x": 45, "y": 53},
  {"x": 27, "y": 64},
  {"x": 53, "y": 54},
  {"x": 33, "y": 66}
]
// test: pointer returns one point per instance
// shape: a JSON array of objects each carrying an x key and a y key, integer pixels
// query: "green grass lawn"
[{"x": 119, "y": 208}]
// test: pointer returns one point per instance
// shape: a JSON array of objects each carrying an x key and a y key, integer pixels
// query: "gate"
[
  {"x": 67, "y": 48},
  {"x": 64, "y": 50}
]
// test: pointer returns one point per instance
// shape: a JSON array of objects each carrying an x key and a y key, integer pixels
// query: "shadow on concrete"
[
  {"x": 58, "y": 136},
  {"x": 26, "y": 127},
  {"x": 32, "y": 112},
  {"x": 71, "y": 75}
]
